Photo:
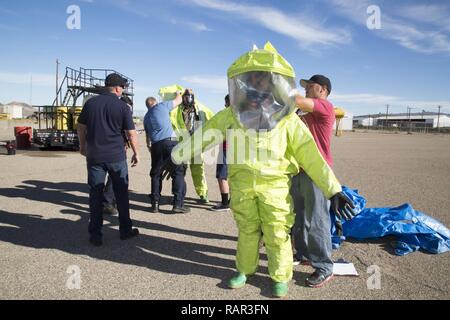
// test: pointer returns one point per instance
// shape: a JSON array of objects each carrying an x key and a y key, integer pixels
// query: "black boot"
[
  {"x": 131, "y": 234},
  {"x": 180, "y": 209},
  {"x": 155, "y": 207},
  {"x": 110, "y": 210}
]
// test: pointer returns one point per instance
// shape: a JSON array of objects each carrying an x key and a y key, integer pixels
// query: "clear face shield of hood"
[{"x": 260, "y": 100}]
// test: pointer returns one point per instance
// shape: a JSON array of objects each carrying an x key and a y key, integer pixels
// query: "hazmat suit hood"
[
  {"x": 261, "y": 84},
  {"x": 169, "y": 93}
]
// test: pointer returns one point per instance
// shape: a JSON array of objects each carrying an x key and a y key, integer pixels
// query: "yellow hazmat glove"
[{"x": 168, "y": 93}]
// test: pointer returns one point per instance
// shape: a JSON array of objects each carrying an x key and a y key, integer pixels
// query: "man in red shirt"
[{"x": 311, "y": 231}]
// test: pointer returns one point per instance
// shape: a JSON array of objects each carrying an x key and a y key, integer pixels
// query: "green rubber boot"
[
  {"x": 237, "y": 281},
  {"x": 280, "y": 289},
  {"x": 204, "y": 199}
]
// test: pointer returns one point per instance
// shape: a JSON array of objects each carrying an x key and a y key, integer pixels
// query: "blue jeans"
[
  {"x": 161, "y": 153},
  {"x": 312, "y": 228},
  {"x": 108, "y": 193},
  {"x": 118, "y": 172}
]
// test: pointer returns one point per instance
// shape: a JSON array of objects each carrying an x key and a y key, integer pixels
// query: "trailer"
[{"x": 57, "y": 123}]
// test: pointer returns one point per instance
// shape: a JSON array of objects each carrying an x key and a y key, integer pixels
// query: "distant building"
[
  {"x": 17, "y": 110},
  {"x": 14, "y": 110},
  {"x": 415, "y": 120}
]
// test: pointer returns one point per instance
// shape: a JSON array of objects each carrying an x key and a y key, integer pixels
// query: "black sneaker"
[
  {"x": 133, "y": 233},
  {"x": 181, "y": 210},
  {"x": 155, "y": 207},
  {"x": 110, "y": 210},
  {"x": 95, "y": 241},
  {"x": 318, "y": 279},
  {"x": 221, "y": 208}
]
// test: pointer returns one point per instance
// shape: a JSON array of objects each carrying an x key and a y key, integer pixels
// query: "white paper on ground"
[{"x": 344, "y": 269}]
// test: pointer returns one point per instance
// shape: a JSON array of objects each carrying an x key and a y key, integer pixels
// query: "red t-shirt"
[{"x": 320, "y": 123}]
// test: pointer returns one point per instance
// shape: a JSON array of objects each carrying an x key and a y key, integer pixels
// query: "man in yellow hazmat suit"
[
  {"x": 267, "y": 145},
  {"x": 188, "y": 116}
]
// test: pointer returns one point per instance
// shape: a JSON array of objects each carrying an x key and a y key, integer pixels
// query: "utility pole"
[
  {"x": 409, "y": 119},
  {"x": 57, "y": 81},
  {"x": 31, "y": 90},
  {"x": 439, "y": 115},
  {"x": 387, "y": 113}
]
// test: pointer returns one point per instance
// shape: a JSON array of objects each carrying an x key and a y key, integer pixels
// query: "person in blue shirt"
[
  {"x": 161, "y": 139},
  {"x": 100, "y": 131},
  {"x": 109, "y": 202}
]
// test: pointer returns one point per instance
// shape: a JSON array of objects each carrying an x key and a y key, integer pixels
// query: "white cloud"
[
  {"x": 117, "y": 40},
  {"x": 196, "y": 26},
  {"x": 404, "y": 32},
  {"x": 295, "y": 27},
  {"x": 412, "y": 38},
  {"x": 144, "y": 90},
  {"x": 366, "y": 98},
  {"x": 39, "y": 79},
  {"x": 129, "y": 6},
  {"x": 380, "y": 100},
  {"x": 218, "y": 84},
  {"x": 144, "y": 10},
  {"x": 438, "y": 15}
]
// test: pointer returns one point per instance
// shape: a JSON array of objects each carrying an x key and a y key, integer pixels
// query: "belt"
[{"x": 167, "y": 139}]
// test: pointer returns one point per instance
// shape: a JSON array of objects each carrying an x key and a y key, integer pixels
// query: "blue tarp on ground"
[{"x": 413, "y": 229}]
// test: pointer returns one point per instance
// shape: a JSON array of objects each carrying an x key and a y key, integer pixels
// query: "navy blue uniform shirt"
[{"x": 105, "y": 117}]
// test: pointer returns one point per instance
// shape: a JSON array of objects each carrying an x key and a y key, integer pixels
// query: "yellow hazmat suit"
[
  {"x": 260, "y": 165},
  {"x": 176, "y": 118},
  {"x": 197, "y": 169}
]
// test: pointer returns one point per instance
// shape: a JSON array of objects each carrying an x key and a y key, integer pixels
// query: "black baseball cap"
[
  {"x": 115, "y": 80},
  {"x": 319, "y": 79}
]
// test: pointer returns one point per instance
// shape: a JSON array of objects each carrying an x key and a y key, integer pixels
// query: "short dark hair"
[
  {"x": 150, "y": 102},
  {"x": 116, "y": 80},
  {"x": 320, "y": 80}
]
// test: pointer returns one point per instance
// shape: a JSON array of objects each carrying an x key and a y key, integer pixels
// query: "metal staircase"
[
  {"x": 79, "y": 83},
  {"x": 57, "y": 123}
]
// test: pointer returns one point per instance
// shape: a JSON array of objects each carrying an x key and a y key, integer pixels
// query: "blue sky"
[{"x": 193, "y": 42}]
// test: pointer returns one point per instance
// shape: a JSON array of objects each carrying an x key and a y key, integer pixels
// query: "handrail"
[{"x": 87, "y": 78}]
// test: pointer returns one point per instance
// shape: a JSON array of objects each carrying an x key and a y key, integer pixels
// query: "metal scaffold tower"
[{"x": 58, "y": 121}]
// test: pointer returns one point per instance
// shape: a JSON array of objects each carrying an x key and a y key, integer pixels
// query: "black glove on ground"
[
  {"x": 339, "y": 228},
  {"x": 342, "y": 206}
]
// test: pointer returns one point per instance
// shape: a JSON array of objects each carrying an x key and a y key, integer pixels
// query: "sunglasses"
[{"x": 255, "y": 95}]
